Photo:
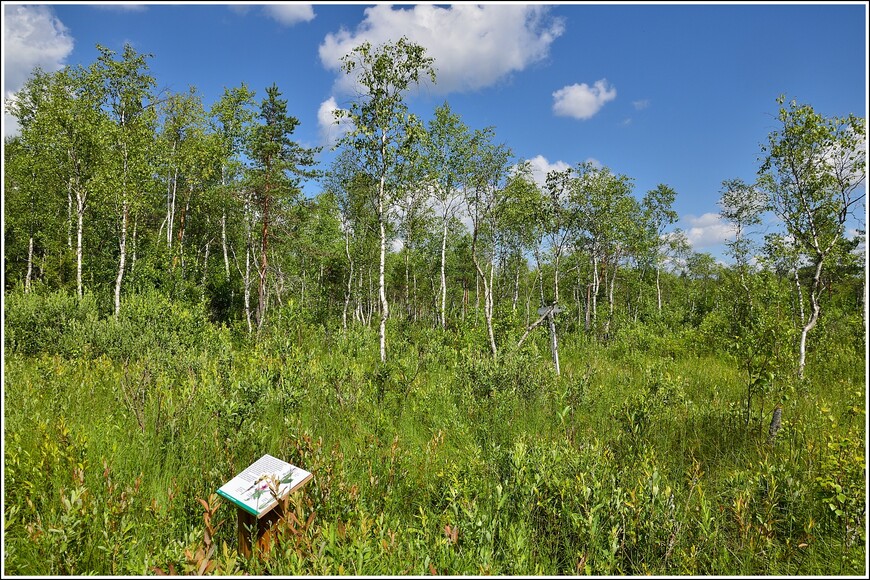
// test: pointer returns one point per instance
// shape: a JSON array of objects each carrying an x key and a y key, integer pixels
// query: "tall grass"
[{"x": 636, "y": 460}]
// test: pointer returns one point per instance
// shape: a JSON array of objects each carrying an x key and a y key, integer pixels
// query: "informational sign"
[
  {"x": 259, "y": 487},
  {"x": 543, "y": 310}
]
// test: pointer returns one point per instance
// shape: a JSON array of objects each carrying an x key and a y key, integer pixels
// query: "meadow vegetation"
[{"x": 636, "y": 459}]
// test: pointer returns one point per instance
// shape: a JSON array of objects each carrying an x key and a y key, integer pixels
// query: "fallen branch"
[{"x": 534, "y": 325}]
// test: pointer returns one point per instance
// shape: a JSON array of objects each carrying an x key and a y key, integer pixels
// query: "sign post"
[
  {"x": 550, "y": 312},
  {"x": 258, "y": 493}
]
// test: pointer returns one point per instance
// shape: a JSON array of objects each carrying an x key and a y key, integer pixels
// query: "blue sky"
[{"x": 676, "y": 94}]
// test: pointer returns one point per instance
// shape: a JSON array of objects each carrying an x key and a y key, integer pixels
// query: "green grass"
[{"x": 636, "y": 460}]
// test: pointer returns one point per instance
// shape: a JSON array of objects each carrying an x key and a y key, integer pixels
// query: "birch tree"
[
  {"x": 127, "y": 100},
  {"x": 383, "y": 129},
  {"x": 484, "y": 194},
  {"x": 231, "y": 118},
  {"x": 814, "y": 171},
  {"x": 61, "y": 124},
  {"x": 658, "y": 214},
  {"x": 446, "y": 155}
]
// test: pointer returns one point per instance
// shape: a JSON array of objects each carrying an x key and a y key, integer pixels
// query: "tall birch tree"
[
  {"x": 814, "y": 171},
  {"x": 128, "y": 101},
  {"x": 383, "y": 129}
]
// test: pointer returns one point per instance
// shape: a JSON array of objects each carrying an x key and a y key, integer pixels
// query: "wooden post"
[
  {"x": 257, "y": 514},
  {"x": 260, "y": 530}
]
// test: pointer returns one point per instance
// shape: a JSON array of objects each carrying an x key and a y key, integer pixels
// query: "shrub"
[{"x": 46, "y": 323}]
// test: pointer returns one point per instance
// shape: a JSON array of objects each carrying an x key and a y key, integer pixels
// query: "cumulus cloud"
[
  {"x": 707, "y": 230},
  {"x": 474, "y": 46},
  {"x": 541, "y": 167},
  {"x": 594, "y": 162},
  {"x": 33, "y": 37},
  {"x": 330, "y": 131},
  {"x": 582, "y": 101},
  {"x": 121, "y": 7},
  {"x": 290, "y": 14}
]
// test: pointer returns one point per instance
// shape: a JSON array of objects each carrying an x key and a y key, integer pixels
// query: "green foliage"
[
  {"x": 47, "y": 322},
  {"x": 629, "y": 463}
]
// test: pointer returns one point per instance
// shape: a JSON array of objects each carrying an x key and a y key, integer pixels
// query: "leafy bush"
[{"x": 46, "y": 323}]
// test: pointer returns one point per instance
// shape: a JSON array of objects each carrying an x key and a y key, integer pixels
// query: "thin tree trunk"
[
  {"x": 596, "y": 283},
  {"x": 414, "y": 296},
  {"x": 371, "y": 298},
  {"x": 69, "y": 213},
  {"x": 382, "y": 293},
  {"x": 135, "y": 246},
  {"x": 264, "y": 259},
  {"x": 487, "y": 300},
  {"x": 349, "y": 280},
  {"x": 205, "y": 268},
  {"x": 122, "y": 261},
  {"x": 444, "y": 275},
  {"x": 382, "y": 218},
  {"x": 554, "y": 344},
  {"x": 248, "y": 251},
  {"x": 610, "y": 293},
  {"x": 224, "y": 243},
  {"x": 815, "y": 308},
  {"x": 29, "y": 265},
  {"x": 800, "y": 297},
  {"x": 516, "y": 290},
  {"x": 556, "y": 280},
  {"x": 407, "y": 281},
  {"x": 170, "y": 209},
  {"x": 80, "y": 211},
  {"x": 658, "y": 288}
]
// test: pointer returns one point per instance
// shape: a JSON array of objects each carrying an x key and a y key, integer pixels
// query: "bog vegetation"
[{"x": 175, "y": 308}]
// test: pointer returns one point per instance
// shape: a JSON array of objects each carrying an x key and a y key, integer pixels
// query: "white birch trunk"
[
  {"x": 815, "y": 308},
  {"x": 69, "y": 213},
  {"x": 554, "y": 344},
  {"x": 349, "y": 279},
  {"x": 658, "y": 288},
  {"x": 596, "y": 282},
  {"x": 382, "y": 293},
  {"x": 248, "y": 249},
  {"x": 80, "y": 210},
  {"x": 122, "y": 261},
  {"x": 444, "y": 275},
  {"x": 27, "y": 278},
  {"x": 224, "y": 243},
  {"x": 135, "y": 246}
]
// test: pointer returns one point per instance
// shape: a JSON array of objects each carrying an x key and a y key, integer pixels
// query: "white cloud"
[
  {"x": 330, "y": 131},
  {"x": 540, "y": 168},
  {"x": 594, "y": 162},
  {"x": 626, "y": 122},
  {"x": 474, "y": 46},
  {"x": 582, "y": 101},
  {"x": 640, "y": 105},
  {"x": 33, "y": 36},
  {"x": 114, "y": 7},
  {"x": 290, "y": 14},
  {"x": 707, "y": 230}
]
